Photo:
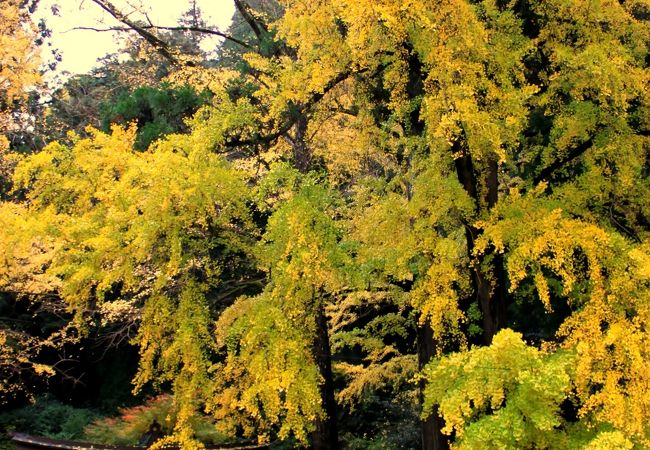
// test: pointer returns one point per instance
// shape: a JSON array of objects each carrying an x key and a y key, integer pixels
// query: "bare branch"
[
  {"x": 241, "y": 285},
  {"x": 259, "y": 28},
  {"x": 163, "y": 47},
  {"x": 177, "y": 28}
]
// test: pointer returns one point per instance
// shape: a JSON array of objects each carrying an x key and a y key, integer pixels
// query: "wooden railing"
[{"x": 27, "y": 442}]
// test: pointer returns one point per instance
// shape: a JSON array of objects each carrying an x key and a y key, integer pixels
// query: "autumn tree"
[
  {"x": 502, "y": 118},
  {"x": 19, "y": 71},
  {"x": 481, "y": 109},
  {"x": 19, "y": 63}
]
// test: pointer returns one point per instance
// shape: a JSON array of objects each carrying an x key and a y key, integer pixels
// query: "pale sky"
[{"x": 80, "y": 48}]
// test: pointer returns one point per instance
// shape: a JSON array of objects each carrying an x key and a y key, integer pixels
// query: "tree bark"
[
  {"x": 302, "y": 155},
  {"x": 488, "y": 274},
  {"x": 325, "y": 436},
  {"x": 431, "y": 429}
]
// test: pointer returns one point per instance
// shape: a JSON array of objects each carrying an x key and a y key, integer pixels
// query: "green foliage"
[
  {"x": 5, "y": 443},
  {"x": 384, "y": 416},
  {"x": 49, "y": 417},
  {"x": 511, "y": 395},
  {"x": 78, "y": 103},
  {"x": 507, "y": 395},
  {"x": 156, "y": 111}
]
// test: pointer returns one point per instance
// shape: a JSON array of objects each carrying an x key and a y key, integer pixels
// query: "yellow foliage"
[
  {"x": 201, "y": 78},
  {"x": 101, "y": 215},
  {"x": 377, "y": 376},
  {"x": 607, "y": 283},
  {"x": 269, "y": 378},
  {"x": 546, "y": 107},
  {"x": 19, "y": 61},
  {"x": 609, "y": 440},
  {"x": 25, "y": 252}
]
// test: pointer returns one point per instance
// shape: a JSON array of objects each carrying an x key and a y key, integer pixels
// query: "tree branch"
[
  {"x": 259, "y": 28},
  {"x": 177, "y": 28},
  {"x": 294, "y": 115},
  {"x": 163, "y": 48},
  {"x": 240, "y": 286},
  {"x": 557, "y": 164}
]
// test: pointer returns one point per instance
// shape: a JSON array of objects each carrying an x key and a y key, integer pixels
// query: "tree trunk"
[
  {"x": 302, "y": 155},
  {"x": 488, "y": 272},
  {"x": 489, "y": 286},
  {"x": 431, "y": 429},
  {"x": 325, "y": 436}
]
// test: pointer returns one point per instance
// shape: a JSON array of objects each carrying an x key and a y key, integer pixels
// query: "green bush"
[{"x": 48, "y": 417}]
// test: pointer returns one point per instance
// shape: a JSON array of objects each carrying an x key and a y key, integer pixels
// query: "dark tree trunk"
[
  {"x": 489, "y": 286},
  {"x": 431, "y": 434},
  {"x": 302, "y": 155},
  {"x": 488, "y": 278},
  {"x": 325, "y": 437}
]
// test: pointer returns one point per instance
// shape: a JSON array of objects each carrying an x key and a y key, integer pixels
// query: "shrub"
[
  {"x": 48, "y": 417},
  {"x": 128, "y": 427}
]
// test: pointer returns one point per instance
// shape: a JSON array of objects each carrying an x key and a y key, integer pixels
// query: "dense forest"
[{"x": 370, "y": 224}]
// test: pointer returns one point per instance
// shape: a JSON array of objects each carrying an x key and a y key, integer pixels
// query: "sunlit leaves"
[
  {"x": 507, "y": 395},
  {"x": 605, "y": 280},
  {"x": 19, "y": 63},
  {"x": 452, "y": 151},
  {"x": 269, "y": 382},
  {"x": 151, "y": 229},
  {"x": 125, "y": 212}
]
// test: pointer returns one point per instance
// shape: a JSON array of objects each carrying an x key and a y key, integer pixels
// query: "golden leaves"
[
  {"x": 390, "y": 374},
  {"x": 19, "y": 61},
  {"x": 24, "y": 254},
  {"x": 506, "y": 395},
  {"x": 269, "y": 380},
  {"x": 605, "y": 280}
]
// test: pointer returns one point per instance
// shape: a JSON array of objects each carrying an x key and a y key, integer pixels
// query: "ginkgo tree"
[
  {"x": 141, "y": 237},
  {"x": 506, "y": 104},
  {"x": 19, "y": 62}
]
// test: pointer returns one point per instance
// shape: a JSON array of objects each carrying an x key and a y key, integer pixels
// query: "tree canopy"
[{"x": 439, "y": 204}]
